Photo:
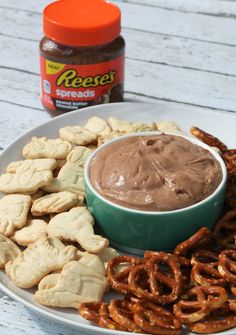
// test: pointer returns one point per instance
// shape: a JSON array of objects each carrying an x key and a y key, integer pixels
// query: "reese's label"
[{"x": 66, "y": 87}]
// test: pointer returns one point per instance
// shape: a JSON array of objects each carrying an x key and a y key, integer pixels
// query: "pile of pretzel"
[
  {"x": 193, "y": 286},
  {"x": 229, "y": 157}
]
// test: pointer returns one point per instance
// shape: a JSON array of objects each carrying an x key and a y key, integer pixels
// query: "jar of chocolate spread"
[{"x": 81, "y": 55}]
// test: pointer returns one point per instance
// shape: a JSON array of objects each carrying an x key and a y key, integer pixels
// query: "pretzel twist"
[
  {"x": 230, "y": 197},
  {"x": 233, "y": 289},
  {"x": 90, "y": 311},
  {"x": 227, "y": 265},
  {"x": 122, "y": 311},
  {"x": 156, "y": 278},
  {"x": 155, "y": 319},
  {"x": 97, "y": 312},
  {"x": 217, "y": 321},
  {"x": 160, "y": 278},
  {"x": 208, "y": 138},
  {"x": 106, "y": 320},
  {"x": 118, "y": 280},
  {"x": 201, "y": 238},
  {"x": 229, "y": 156},
  {"x": 205, "y": 268},
  {"x": 207, "y": 299},
  {"x": 225, "y": 230},
  {"x": 232, "y": 305},
  {"x": 216, "y": 296},
  {"x": 189, "y": 310}
]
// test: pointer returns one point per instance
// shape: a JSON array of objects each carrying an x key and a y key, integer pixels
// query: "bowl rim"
[{"x": 192, "y": 139}]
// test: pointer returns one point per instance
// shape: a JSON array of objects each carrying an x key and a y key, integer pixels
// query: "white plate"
[{"x": 222, "y": 125}]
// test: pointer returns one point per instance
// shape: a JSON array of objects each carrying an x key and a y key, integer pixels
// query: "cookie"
[
  {"x": 120, "y": 125},
  {"x": 77, "y": 225},
  {"x": 44, "y": 164},
  {"x": 70, "y": 178},
  {"x": 169, "y": 126},
  {"x": 42, "y": 147},
  {"x": 105, "y": 138},
  {"x": 78, "y": 135},
  {"x": 79, "y": 155},
  {"x": 77, "y": 283},
  {"x": 29, "y": 181},
  {"x": 90, "y": 260},
  {"x": 33, "y": 230},
  {"x": 38, "y": 260},
  {"x": 37, "y": 194},
  {"x": 107, "y": 254},
  {"x": 14, "y": 210},
  {"x": 71, "y": 172},
  {"x": 49, "y": 281},
  {"x": 8, "y": 250},
  {"x": 54, "y": 203},
  {"x": 59, "y": 185},
  {"x": 140, "y": 127},
  {"x": 98, "y": 126},
  {"x": 60, "y": 163},
  {"x": 94, "y": 262},
  {"x": 126, "y": 127}
]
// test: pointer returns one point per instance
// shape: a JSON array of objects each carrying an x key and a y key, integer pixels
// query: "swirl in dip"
[{"x": 154, "y": 172}]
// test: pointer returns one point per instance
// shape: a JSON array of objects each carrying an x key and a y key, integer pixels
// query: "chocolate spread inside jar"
[
  {"x": 154, "y": 173},
  {"x": 81, "y": 55}
]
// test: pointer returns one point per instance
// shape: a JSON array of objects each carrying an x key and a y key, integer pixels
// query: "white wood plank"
[
  {"x": 28, "y": 5},
  {"x": 180, "y": 52},
  {"x": 21, "y": 24},
  {"x": 208, "y": 7},
  {"x": 173, "y": 51},
  {"x": 135, "y": 97},
  {"x": 203, "y": 27},
  {"x": 193, "y": 87},
  {"x": 17, "y": 320},
  {"x": 154, "y": 80},
  {"x": 16, "y": 120},
  {"x": 200, "y": 27},
  {"x": 20, "y": 88},
  {"x": 217, "y": 7},
  {"x": 143, "y": 80}
]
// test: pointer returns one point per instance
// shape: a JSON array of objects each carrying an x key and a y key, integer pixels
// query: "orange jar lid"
[{"x": 81, "y": 22}]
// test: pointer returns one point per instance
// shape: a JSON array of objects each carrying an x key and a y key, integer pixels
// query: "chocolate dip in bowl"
[{"x": 153, "y": 190}]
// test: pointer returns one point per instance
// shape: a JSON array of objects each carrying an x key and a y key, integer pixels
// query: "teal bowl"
[{"x": 135, "y": 231}]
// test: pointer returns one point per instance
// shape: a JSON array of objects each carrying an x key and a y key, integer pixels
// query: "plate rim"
[
  {"x": 78, "y": 111},
  {"x": 45, "y": 311}
]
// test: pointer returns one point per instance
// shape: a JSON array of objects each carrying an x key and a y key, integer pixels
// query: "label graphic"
[{"x": 66, "y": 87}]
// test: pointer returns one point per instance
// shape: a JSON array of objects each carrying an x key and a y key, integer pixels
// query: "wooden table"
[{"x": 179, "y": 51}]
